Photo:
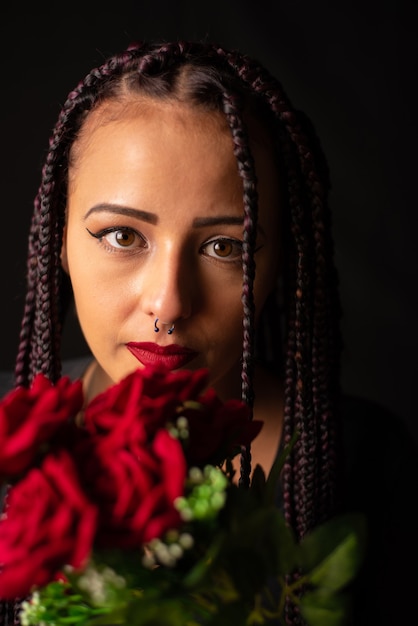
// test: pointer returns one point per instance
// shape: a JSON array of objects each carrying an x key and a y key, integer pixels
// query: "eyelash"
[
  {"x": 224, "y": 240},
  {"x": 101, "y": 234}
]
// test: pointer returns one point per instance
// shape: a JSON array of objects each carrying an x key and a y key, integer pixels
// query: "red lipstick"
[{"x": 172, "y": 356}]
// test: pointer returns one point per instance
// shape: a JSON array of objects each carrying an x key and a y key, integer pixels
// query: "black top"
[{"x": 382, "y": 481}]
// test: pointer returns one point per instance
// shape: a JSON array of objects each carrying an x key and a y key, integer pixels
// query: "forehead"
[
  {"x": 165, "y": 137},
  {"x": 173, "y": 112},
  {"x": 170, "y": 113},
  {"x": 197, "y": 132}
]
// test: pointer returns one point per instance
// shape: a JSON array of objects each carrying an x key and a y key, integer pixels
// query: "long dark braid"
[
  {"x": 313, "y": 342},
  {"x": 209, "y": 76},
  {"x": 311, "y": 475},
  {"x": 47, "y": 288},
  {"x": 233, "y": 107}
]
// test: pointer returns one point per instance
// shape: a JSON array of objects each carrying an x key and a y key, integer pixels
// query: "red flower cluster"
[
  {"x": 29, "y": 417},
  {"x": 49, "y": 522},
  {"x": 111, "y": 482}
]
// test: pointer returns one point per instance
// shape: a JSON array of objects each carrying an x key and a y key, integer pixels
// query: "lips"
[{"x": 172, "y": 356}]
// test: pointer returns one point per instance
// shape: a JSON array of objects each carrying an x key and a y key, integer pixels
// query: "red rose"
[
  {"x": 134, "y": 492},
  {"x": 48, "y": 523},
  {"x": 146, "y": 400},
  {"x": 218, "y": 429},
  {"x": 29, "y": 417}
]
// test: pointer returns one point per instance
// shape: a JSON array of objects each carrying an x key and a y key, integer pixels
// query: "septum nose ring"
[{"x": 157, "y": 330}]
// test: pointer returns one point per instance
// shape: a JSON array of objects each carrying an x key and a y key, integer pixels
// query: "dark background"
[{"x": 351, "y": 66}]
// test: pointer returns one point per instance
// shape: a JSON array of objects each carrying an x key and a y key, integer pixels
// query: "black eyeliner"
[{"x": 112, "y": 229}]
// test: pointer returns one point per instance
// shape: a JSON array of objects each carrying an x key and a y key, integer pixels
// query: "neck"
[{"x": 95, "y": 381}]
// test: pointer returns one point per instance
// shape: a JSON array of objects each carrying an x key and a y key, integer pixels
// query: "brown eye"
[
  {"x": 124, "y": 238},
  {"x": 223, "y": 248},
  {"x": 116, "y": 238}
]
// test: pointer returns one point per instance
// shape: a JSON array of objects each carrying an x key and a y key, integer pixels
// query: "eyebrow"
[
  {"x": 200, "y": 222},
  {"x": 118, "y": 209},
  {"x": 223, "y": 219},
  {"x": 152, "y": 218}
]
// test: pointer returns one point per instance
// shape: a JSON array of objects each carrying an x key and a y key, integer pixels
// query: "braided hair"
[{"x": 307, "y": 352}]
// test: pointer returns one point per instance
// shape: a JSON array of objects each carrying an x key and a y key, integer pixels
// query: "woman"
[{"x": 183, "y": 204}]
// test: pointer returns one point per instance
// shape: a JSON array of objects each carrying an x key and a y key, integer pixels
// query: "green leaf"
[
  {"x": 201, "y": 569},
  {"x": 232, "y": 614},
  {"x": 258, "y": 483},
  {"x": 332, "y": 553},
  {"x": 270, "y": 492},
  {"x": 275, "y": 540},
  {"x": 258, "y": 548},
  {"x": 179, "y": 611},
  {"x": 320, "y": 608}
]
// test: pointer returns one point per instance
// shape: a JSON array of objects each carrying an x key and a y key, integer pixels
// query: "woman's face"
[{"x": 154, "y": 230}]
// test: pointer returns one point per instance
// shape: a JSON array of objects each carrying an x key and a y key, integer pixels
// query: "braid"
[
  {"x": 10, "y": 613},
  {"x": 312, "y": 348},
  {"x": 312, "y": 351},
  {"x": 9, "y": 610},
  {"x": 233, "y": 108},
  {"x": 40, "y": 336}
]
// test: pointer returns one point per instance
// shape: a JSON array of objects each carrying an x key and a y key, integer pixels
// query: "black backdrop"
[{"x": 351, "y": 66}]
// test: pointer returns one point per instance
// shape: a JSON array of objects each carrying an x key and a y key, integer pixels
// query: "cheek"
[
  {"x": 228, "y": 326},
  {"x": 98, "y": 298}
]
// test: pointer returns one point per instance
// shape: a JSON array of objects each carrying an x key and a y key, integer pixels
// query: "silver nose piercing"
[{"x": 157, "y": 330}]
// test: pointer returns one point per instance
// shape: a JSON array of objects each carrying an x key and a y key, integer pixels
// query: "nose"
[{"x": 168, "y": 285}]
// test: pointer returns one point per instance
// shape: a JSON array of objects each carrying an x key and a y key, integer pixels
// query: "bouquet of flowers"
[{"x": 127, "y": 511}]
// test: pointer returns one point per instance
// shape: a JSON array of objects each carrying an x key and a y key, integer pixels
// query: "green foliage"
[
  {"x": 58, "y": 604},
  {"x": 333, "y": 551},
  {"x": 227, "y": 585},
  {"x": 322, "y": 608},
  {"x": 239, "y": 569}
]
